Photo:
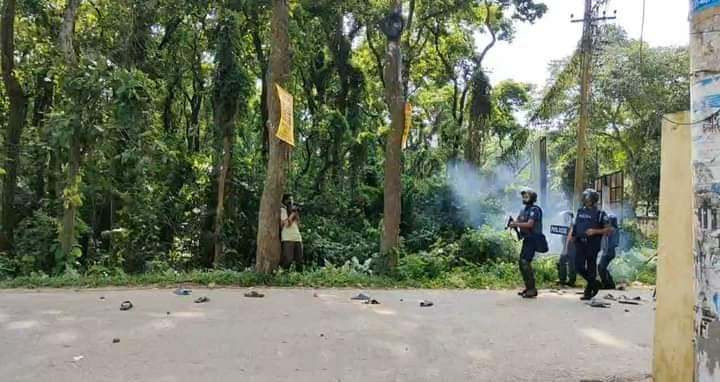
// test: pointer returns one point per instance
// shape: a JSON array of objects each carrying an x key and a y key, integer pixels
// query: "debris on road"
[
  {"x": 116, "y": 340},
  {"x": 78, "y": 358},
  {"x": 360, "y": 297},
  {"x": 102, "y": 297},
  {"x": 182, "y": 292},
  {"x": 126, "y": 305},
  {"x": 610, "y": 297},
  {"x": 372, "y": 302},
  {"x": 426, "y": 303},
  {"x": 315, "y": 295},
  {"x": 630, "y": 301},
  {"x": 201, "y": 300},
  {"x": 598, "y": 304},
  {"x": 167, "y": 313},
  {"x": 254, "y": 294}
]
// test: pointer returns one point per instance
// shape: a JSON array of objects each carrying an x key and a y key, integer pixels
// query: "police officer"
[
  {"x": 609, "y": 243},
  {"x": 591, "y": 224},
  {"x": 566, "y": 263},
  {"x": 529, "y": 223}
]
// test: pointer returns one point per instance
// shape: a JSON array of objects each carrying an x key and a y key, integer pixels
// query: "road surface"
[{"x": 310, "y": 335}]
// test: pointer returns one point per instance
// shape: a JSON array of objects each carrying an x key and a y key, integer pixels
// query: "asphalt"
[{"x": 320, "y": 335}]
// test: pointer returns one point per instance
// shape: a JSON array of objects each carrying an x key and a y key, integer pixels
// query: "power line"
[{"x": 642, "y": 32}]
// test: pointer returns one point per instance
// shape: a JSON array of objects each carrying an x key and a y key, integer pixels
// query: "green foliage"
[
  {"x": 487, "y": 245},
  {"x": 159, "y": 84},
  {"x": 635, "y": 238},
  {"x": 636, "y": 264}
]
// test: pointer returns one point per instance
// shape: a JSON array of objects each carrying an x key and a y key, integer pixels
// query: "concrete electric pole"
[
  {"x": 705, "y": 104},
  {"x": 589, "y": 19}
]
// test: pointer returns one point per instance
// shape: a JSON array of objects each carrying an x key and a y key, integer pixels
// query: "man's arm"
[
  {"x": 607, "y": 229},
  {"x": 527, "y": 225}
]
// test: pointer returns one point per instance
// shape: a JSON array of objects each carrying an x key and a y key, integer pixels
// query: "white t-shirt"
[{"x": 289, "y": 233}]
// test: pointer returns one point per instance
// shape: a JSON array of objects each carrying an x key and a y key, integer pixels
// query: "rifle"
[{"x": 507, "y": 226}]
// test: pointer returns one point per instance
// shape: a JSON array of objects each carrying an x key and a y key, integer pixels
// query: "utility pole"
[
  {"x": 589, "y": 19},
  {"x": 705, "y": 127}
]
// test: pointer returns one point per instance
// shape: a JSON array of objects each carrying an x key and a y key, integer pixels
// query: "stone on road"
[{"x": 291, "y": 335}]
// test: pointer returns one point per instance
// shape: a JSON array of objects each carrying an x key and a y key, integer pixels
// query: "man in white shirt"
[{"x": 292, "y": 248}]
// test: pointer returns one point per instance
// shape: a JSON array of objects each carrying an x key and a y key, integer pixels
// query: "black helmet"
[
  {"x": 591, "y": 195},
  {"x": 532, "y": 195},
  {"x": 613, "y": 219}
]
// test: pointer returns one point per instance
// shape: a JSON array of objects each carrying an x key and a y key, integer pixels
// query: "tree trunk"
[
  {"x": 228, "y": 92},
  {"x": 268, "y": 238},
  {"x": 42, "y": 104},
  {"x": 393, "y": 150},
  {"x": 67, "y": 234},
  {"x": 67, "y": 35},
  {"x": 18, "y": 109},
  {"x": 222, "y": 177}
]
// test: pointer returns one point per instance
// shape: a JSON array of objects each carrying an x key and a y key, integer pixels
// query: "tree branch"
[
  {"x": 488, "y": 24},
  {"x": 378, "y": 57}
]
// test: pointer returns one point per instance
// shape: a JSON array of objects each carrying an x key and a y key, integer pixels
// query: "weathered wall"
[
  {"x": 705, "y": 69},
  {"x": 673, "y": 358}
]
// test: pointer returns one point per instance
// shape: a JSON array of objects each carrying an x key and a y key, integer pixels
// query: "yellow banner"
[
  {"x": 408, "y": 123},
  {"x": 285, "y": 131}
]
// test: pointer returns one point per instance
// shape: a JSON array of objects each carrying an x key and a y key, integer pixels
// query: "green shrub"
[
  {"x": 36, "y": 243},
  {"x": 636, "y": 264},
  {"x": 423, "y": 266},
  {"x": 8, "y": 266},
  {"x": 487, "y": 244}
]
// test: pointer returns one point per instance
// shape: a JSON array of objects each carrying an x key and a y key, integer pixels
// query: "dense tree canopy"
[{"x": 137, "y": 133}]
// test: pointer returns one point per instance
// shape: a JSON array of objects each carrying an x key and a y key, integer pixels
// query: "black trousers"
[
  {"x": 292, "y": 252},
  {"x": 566, "y": 265},
  {"x": 586, "y": 254},
  {"x": 526, "y": 257},
  {"x": 605, "y": 276}
]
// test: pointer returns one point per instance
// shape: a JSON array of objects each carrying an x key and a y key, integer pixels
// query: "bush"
[
  {"x": 634, "y": 237},
  {"x": 486, "y": 244},
  {"x": 36, "y": 241},
  {"x": 636, "y": 264},
  {"x": 327, "y": 241},
  {"x": 423, "y": 266},
  {"x": 8, "y": 267}
]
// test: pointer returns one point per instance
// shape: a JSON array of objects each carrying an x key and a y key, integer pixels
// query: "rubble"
[{"x": 360, "y": 297}]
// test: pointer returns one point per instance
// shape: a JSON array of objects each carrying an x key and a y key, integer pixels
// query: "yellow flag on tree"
[
  {"x": 285, "y": 131},
  {"x": 408, "y": 123}
]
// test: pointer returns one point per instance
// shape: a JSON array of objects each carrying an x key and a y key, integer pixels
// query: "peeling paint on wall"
[{"x": 705, "y": 63}]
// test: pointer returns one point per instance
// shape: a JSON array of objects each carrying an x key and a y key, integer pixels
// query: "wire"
[
  {"x": 642, "y": 32},
  {"x": 706, "y": 119}
]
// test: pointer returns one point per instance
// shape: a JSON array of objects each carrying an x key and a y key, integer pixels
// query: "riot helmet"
[
  {"x": 529, "y": 196},
  {"x": 590, "y": 197}
]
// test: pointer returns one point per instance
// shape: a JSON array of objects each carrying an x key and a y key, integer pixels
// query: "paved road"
[{"x": 319, "y": 335}]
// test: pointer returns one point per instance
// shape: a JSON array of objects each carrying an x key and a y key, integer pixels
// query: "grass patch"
[{"x": 500, "y": 275}]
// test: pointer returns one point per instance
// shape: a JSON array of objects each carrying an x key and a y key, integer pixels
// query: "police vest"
[{"x": 587, "y": 218}]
